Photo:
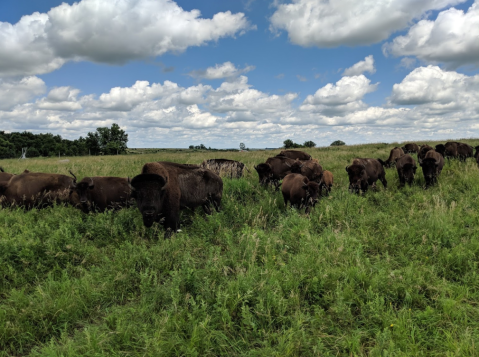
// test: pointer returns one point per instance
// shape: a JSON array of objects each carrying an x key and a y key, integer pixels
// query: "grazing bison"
[
  {"x": 327, "y": 181},
  {"x": 99, "y": 193},
  {"x": 295, "y": 154},
  {"x": 4, "y": 176},
  {"x": 299, "y": 191},
  {"x": 441, "y": 149},
  {"x": 365, "y": 172},
  {"x": 36, "y": 189},
  {"x": 275, "y": 169},
  {"x": 422, "y": 152},
  {"x": 395, "y": 154},
  {"x": 411, "y": 148},
  {"x": 476, "y": 155},
  {"x": 163, "y": 188},
  {"x": 451, "y": 150},
  {"x": 464, "y": 151},
  {"x": 310, "y": 168},
  {"x": 406, "y": 167},
  {"x": 221, "y": 167},
  {"x": 432, "y": 166}
]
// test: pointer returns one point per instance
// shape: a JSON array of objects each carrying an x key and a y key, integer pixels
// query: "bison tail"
[{"x": 382, "y": 162}]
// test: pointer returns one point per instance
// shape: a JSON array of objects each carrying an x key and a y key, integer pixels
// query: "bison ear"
[
  {"x": 165, "y": 184},
  {"x": 347, "y": 167}
]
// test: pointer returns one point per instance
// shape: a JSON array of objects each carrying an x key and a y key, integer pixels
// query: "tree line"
[{"x": 104, "y": 141}]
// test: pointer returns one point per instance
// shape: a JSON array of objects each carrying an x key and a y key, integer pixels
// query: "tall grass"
[{"x": 393, "y": 272}]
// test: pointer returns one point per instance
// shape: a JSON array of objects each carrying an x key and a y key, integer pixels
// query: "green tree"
[
  {"x": 338, "y": 143},
  {"x": 191, "y": 147},
  {"x": 288, "y": 144},
  {"x": 109, "y": 141},
  {"x": 309, "y": 144}
]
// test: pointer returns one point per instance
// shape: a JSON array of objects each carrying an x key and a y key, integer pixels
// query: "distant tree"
[
  {"x": 309, "y": 144},
  {"x": 338, "y": 143},
  {"x": 191, "y": 147},
  {"x": 242, "y": 146},
  {"x": 109, "y": 141},
  {"x": 288, "y": 144}
]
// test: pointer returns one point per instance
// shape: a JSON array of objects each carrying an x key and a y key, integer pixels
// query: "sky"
[{"x": 258, "y": 72}]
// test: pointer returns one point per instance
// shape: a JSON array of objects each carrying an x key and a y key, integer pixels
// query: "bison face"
[
  {"x": 407, "y": 172},
  {"x": 148, "y": 190},
  {"x": 82, "y": 189},
  {"x": 441, "y": 149},
  {"x": 312, "y": 193},
  {"x": 265, "y": 173},
  {"x": 429, "y": 170},
  {"x": 357, "y": 177}
]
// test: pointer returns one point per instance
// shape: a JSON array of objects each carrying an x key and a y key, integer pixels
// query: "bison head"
[
  {"x": 312, "y": 192},
  {"x": 429, "y": 170},
  {"x": 358, "y": 178},
  {"x": 82, "y": 189},
  {"x": 441, "y": 149},
  {"x": 265, "y": 173},
  {"x": 148, "y": 190},
  {"x": 408, "y": 171}
]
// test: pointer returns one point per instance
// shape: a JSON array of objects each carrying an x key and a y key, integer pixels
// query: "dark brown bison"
[
  {"x": 327, "y": 181},
  {"x": 299, "y": 191},
  {"x": 395, "y": 154},
  {"x": 275, "y": 169},
  {"x": 4, "y": 176},
  {"x": 464, "y": 151},
  {"x": 432, "y": 166},
  {"x": 309, "y": 168},
  {"x": 411, "y": 148},
  {"x": 441, "y": 149},
  {"x": 406, "y": 167},
  {"x": 225, "y": 167},
  {"x": 163, "y": 188},
  {"x": 423, "y": 149},
  {"x": 295, "y": 154},
  {"x": 364, "y": 173},
  {"x": 476, "y": 155},
  {"x": 36, "y": 189},
  {"x": 450, "y": 151},
  {"x": 99, "y": 193}
]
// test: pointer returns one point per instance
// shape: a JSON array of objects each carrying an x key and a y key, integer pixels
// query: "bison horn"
[
  {"x": 1, "y": 169},
  {"x": 287, "y": 164},
  {"x": 91, "y": 182},
  {"x": 71, "y": 173},
  {"x": 347, "y": 167}
]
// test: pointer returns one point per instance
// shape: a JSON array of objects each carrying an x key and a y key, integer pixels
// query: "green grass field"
[{"x": 390, "y": 273}]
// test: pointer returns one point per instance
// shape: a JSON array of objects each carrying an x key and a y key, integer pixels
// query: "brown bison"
[
  {"x": 411, "y": 148},
  {"x": 423, "y": 149},
  {"x": 450, "y": 151},
  {"x": 441, "y": 149},
  {"x": 295, "y": 154},
  {"x": 275, "y": 169},
  {"x": 432, "y": 166},
  {"x": 476, "y": 155},
  {"x": 300, "y": 192},
  {"x": 225, "y": 167},
  {"x": 364, "y": 173},
  {"x": 99, "y": 193},
  {"x": 36, "y": 189},
  {"x": 163, "y": 188},
  {"x": 406, "y": 167},
  {"x": 4, "y": 176},
  {"x": 395, "y": 154},
  {"x": 327, "y": 181},
  {"x": 309, "y": 168},
  {"x": 464, "y": 151}
]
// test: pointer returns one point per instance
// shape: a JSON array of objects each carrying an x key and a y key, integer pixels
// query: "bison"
[
  {"x": 406, "y": 167},
  {"x": 163, "y": 188},
  {"x": 4, "y": 176},
  {"x": 275, "y": 169},
  {"x": 300, "y": 192},
  {"x": 310, "y": 168},
  {"x": 36, "y": 189},
  {"x": 231, "y": 168},
  {"x": 327, "y": 181},
  {"x": 476, "y": 155},
  {"x": 365, "y": 172},
  {"x": 411, "y": 148},
  {"x": 99, "y": 193},
  {"x": 295, "y": 154},
  {"x": 464, "y": 151},
  {"x": 395, "y": 154},
  {"x": 450, "y": 151},
  {"x": 441, "y": 149},
  {"x": 423, "y": 149},
  {"x": 432, "y": 166}
]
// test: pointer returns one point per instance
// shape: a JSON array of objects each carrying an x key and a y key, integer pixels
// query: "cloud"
[
  {"x": 219, "y": 71},
  {"x": 407, "y": 62},
  {"x": 348, "y": 22},
  {"x": 60, "y": 98},
  {"x": 301, "y": 78},
  {"x": 16, "y": 92},
  {"x": 279, "y": 76},
  {"x": 112, "y": 32},
  {"x": 451, "y": 39},
  {"x": 362, "y": 66}
]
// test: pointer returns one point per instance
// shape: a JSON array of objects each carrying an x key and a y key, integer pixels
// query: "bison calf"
[
  {"x": 299, "y": 191},
  {"x": 395, "y": 154},
  {"x": 364, "y": 173},
  {"x": 432, "y": 166},
  {"x": 406, "y": 167},
  {"x": 326, "y": 181}
]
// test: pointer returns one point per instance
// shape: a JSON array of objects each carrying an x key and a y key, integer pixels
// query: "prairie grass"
[{"x": 390, "y": 273}]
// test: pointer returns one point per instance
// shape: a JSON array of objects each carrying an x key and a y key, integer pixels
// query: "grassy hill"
[{"x": 390, "y": 273}]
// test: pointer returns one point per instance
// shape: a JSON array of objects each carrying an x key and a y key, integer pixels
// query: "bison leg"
[
  {"x": 207, "y": 208},
  {"x": 171, "y": 224},
  {"x": 382, "y": 178}
]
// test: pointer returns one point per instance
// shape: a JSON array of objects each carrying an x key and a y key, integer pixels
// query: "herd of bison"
[{"x": 162, "y": 189}]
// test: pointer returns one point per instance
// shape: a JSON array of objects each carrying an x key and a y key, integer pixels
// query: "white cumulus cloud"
[
  {"x": 348, "y": 22},
  {"x": 362, "y": 66},
  {"x": 219, "y": 71},
  {"x": 16, "y": 92},
  {"x": 453, "y": 39},
  {"x": 104, "y": 31}
]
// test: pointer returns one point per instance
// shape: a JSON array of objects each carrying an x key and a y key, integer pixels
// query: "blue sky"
[{"x": 254, "y": 71}]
